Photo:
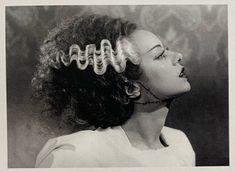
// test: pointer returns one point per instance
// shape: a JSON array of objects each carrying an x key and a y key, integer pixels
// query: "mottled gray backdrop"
[{"x": 199, "y": 32}]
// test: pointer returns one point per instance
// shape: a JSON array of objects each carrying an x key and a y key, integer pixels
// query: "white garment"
[{"x": 111, "y": 148}]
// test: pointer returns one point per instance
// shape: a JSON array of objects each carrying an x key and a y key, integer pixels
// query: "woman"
[{"x": 110, "y": 75}]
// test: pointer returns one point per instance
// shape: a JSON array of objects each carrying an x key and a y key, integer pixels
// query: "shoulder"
[
  {"x": 178, "y": 139},
  {"x": 175, "y": 137},
  {"x": 173, "y": 134},
  {"x": 77, "y": 149}
]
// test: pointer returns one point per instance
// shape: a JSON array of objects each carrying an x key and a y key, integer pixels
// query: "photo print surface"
[{"x": 198, "y": 32}]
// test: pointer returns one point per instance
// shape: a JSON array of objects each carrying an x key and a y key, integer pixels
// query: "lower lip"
[{"x": 184, "y": 76}]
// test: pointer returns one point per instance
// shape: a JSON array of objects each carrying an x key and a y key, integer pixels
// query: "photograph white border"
[{"x": 231, "y": 66}]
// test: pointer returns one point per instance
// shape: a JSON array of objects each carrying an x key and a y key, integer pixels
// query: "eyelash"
[{"x": 162, "y": 55}]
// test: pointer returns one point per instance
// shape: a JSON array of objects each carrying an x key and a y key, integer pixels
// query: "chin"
[{"x": 187, "y": 87}]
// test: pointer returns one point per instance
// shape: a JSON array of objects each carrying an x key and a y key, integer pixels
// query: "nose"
[{"x": 176, "y": 58}]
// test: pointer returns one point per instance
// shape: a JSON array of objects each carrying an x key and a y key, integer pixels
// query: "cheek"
[
  {"x": 164, "y": 82},
  {"x": 157, "y": 78},
  {"x": 155, "y": 70}
]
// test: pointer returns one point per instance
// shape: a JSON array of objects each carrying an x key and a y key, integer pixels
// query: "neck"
[{"x": 144, "y": 128}]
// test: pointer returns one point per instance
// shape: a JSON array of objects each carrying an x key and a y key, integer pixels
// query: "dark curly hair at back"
[{"x": 97, "y": 100}]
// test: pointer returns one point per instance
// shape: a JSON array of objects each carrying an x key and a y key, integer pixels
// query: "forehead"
[{"x": 145, "y": 40}]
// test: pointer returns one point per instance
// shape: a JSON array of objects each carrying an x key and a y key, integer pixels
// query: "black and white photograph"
[{"x": 110, "y": 85}]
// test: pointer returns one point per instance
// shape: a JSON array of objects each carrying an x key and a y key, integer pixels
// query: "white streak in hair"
[{"x": 99, "y": 59}]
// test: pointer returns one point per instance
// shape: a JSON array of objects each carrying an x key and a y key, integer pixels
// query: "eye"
[{"x": 161, "y": 55}]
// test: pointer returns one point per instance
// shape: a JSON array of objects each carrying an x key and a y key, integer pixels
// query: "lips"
[{"x": 182, "y": 73}]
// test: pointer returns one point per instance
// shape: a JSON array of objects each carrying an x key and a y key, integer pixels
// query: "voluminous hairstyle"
[{"x": 90, "y": 99}]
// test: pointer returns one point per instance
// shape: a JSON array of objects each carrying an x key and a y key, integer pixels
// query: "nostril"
[
  {"x": 180, "y": 57},
  {"x": 176, "y": 58}
]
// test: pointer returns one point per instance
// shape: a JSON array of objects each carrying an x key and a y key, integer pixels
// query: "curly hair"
[{"x": 92, "y": 100}]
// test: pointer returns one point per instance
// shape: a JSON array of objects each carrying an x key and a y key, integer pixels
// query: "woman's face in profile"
[{"x": 162, "y": 72}]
